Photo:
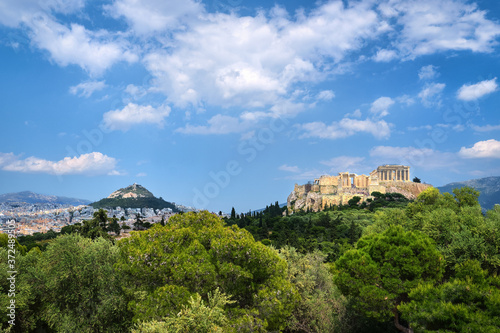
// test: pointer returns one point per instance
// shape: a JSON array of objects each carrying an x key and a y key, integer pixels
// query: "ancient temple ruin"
[
  {"x": 346, "y": 182},
  {"x": 335, "y": 190}
]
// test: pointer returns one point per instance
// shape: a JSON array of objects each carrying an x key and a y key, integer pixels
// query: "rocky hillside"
[
  {"x": 33, "y": 198},
  {"x": 489, "y": 189},
  {"x": 133, "y": 196},
  {"x": 132, "y": 191},
  {"x": 316, "y": 201},
  {"x": 409, "y": 190}
]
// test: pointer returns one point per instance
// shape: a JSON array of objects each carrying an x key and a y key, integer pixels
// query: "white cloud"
[
  {"x": 431, "y": 94},
  {"x": 15, "y": 12},
  {"x": 346, "y": 127},
  {"x": 141, "y": 174},
  {"x": 218, "y": 124},
  {"x": 86, "y": 89},
  {"x": 474, "y": 91},
  {"x": 343, "y": 163},
  {"x": 381, "y": 106},
  {"x": 326, "y": 95},
  {"x": 249, "y": 61},
  {"x": 417, "y": 128},
  {"x": 385, "y": 55},
  {"x": 424, "y": 158},
  {"x": 428, "y": 72},
  {"x": 133, "y": 114},
  {"x": 405, "y": 99},
  {"x": 294, "y": 169},
  {"x": 430, "y": 26},
  {"x": 486, "y": 128},
  {"x": 482, "y": 149},
  {"x": 92, "y": 51},
  {"x": 149, "y": 16},
  {"x": 94, "y": 163},
  {"x": 307, "y": 175},
  {"x": 355, "y": 114}
]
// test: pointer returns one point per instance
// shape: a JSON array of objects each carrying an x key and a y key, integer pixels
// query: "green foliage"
[
  {"x": 25, "y": 291},
  {"x": 322, "y": 307},
  {"x": 149, "y": 202},
  {"x": 196, "y": 316},
  {"x": 466, "y": 196},
  {"x": 197, "y": 253},
  {"x": 78, "y": 288},
  {"x": 470, "y": 302},
  {"x": 4, "y": 243},
  {"x": 416, "y": 180},
  {"x": 387, "y": 200},
  {"x": 72, "y": 287},
  {"x": 383, "y": 269}
]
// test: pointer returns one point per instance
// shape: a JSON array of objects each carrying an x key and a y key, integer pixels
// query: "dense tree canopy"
[
  {"x": 383, "y": 269},
  {"x": 432, "y": 263},
  {"x": 197, "y": 253}
]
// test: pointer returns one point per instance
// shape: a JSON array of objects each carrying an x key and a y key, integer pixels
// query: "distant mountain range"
[
  {"x": 488, "y": 187},
  {"x": 33, "y": 198},
  {"x": 133, "y": 196}
]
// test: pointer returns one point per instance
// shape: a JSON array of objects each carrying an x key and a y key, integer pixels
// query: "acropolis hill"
[{"x": 338, "y": 190}]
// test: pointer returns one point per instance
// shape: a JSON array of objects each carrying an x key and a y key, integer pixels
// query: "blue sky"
[{"x": 230, "y": 103}]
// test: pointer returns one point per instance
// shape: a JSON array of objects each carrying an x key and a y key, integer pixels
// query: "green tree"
[
  {"x": 322, "y": 307},
  {"x": 79, "y": 289},
  {"x": 416, "y": 180},
  {"x": 470, "y": 302},
  {"x": 139, "y": 223},
  {"x": 233, "y": 213},
  {"x": 196, "y": 253},
  {"x": 354, "y": 201},
  {"x": 96, "y": 227},
  {"x": 466, "y": 196},
  {"x": 383, "y": 269},
  {"x": 114, "y": 226},
  {"x": 196, "y": 316}
]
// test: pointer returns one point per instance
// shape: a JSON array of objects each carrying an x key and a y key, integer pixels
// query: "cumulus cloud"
[
  {"x": 385, "y": 55},
  {"x": 428, "y": 72},
  {"x": 470, "y": 92},
  {"x": 155, "y": 15},
  {"x": 345, "y": 128},
  {"x": 381, "y": 106},
  {"x": 431, "y": 94},
  {"x": 91, "y": 164},
  {"x": 15, "y": 12},
  {"x": 294, "y": 169},
  {"x": 86, "y": 89},
  {"x": 253, "y": 61},
  {"x": 218, "y": 124},
  {"x": 343, "y": 163},
  {"x": 424, "y": 158},
  {"x": 486, "y": 128},
  {"x": 92, "y": 51},
  {"x": 326, "y": 95},
  {"x": 430, "y": 26},
  {"x": 482, "y": 149},
  {"x": 133, "y": 114}
]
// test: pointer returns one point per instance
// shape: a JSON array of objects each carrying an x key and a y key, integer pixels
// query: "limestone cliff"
[
  {"x": 301, "y": 199},
  {"x": 409, "y": 190}
]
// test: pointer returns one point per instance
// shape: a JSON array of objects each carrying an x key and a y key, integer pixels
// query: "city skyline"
[{"x": 230, "y": 103}]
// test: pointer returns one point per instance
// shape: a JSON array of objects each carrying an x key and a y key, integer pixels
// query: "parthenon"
[{"x": 392, "y": 173}]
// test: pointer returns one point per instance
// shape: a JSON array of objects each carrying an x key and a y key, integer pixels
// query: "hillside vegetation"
[{"x": 430, "y": 265}]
